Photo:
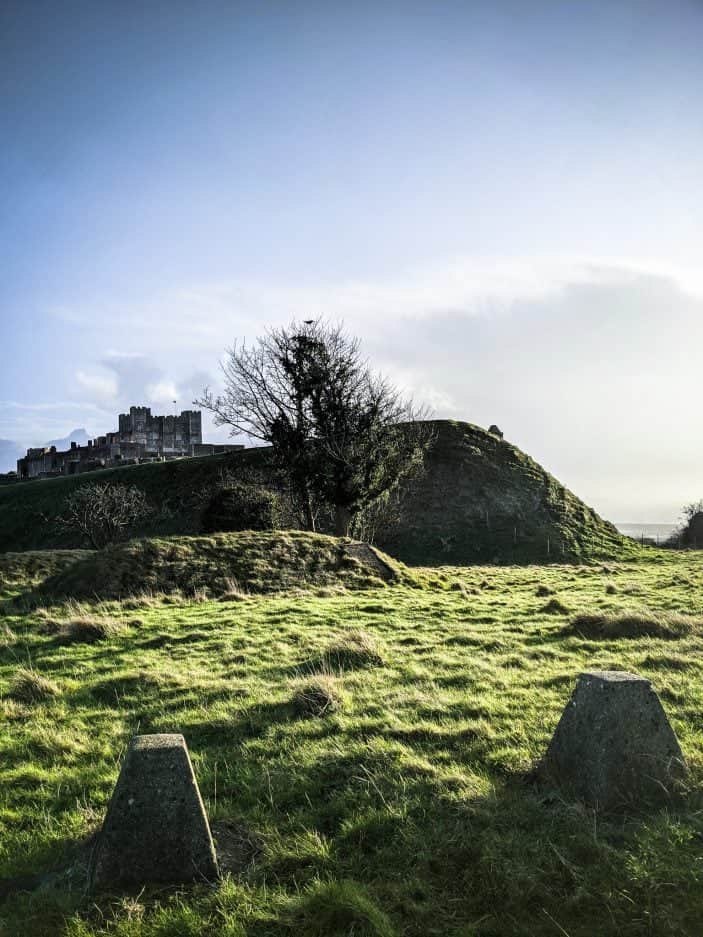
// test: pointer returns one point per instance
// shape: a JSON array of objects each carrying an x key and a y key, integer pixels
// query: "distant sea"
[{"x": 656, "y": 532}]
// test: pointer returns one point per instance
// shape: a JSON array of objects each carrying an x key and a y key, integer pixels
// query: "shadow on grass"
[
  {"x": 252, "y": 723},
  {"x": 63, "y": 865},
  {"x": 426, "y": 854}
]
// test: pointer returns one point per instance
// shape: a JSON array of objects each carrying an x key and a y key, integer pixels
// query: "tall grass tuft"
[
  {"x": 233, "y": 592},
  {"x": 555, "y": 607},
  {"x": 86, "y": 630},
  {"x": 339, "y": 909},
  {"x": 318, "y": 695},
  {"x": 28, "y": 686},
  {"x": 353, "y": 650},
  {"x": 635, "y": 624}
]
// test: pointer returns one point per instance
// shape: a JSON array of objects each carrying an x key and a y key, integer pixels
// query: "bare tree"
[
  {"x": 344, "y": 434},
  {"x": 104, "y": 512}
]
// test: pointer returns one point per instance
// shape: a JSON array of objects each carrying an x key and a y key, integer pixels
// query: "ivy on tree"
[{"x": 345, "y": 435}]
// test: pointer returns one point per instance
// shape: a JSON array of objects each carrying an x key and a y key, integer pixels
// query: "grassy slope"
[
  {"x": 484, "y": 500},
  {"x": 481, "y": 500},
  {"x": 27, "y": 510},
  {"x": 402, "y": 813}
]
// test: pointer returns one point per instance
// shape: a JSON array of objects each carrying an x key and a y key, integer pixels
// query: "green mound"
[
  {"x": 226, "y": 564},
  {"x": 483, "y": 500}
]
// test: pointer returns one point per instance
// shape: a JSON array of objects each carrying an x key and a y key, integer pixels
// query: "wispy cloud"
[
  {"x": 203, "y": 317},
  {"x": 46, "y": 406}
]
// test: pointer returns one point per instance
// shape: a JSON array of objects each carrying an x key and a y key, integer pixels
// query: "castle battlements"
[{"x": 141, "y": 437}]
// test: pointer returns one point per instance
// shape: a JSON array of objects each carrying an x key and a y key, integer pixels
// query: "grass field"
[{"x": 362, "y": 755}]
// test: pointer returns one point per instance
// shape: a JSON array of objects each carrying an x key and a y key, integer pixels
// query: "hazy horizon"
[{"x": 502, "y": 200}]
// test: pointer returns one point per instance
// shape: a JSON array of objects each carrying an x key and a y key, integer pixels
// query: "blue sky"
[{"x": 503, "y": 199}]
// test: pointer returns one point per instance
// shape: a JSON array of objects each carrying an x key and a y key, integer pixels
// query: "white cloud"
[
  {"x": 164, "y": 393},
  {"x": 118, "y": 356},
  {"x": 102, "y": 387},
  {"x": 461, "y": 287},
  {"x": 197, "y": 322}
]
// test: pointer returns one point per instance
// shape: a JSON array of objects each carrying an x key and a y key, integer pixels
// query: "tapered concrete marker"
[
  {"x": 156, "y": 829},
  {"x": 614, "y": 745}
]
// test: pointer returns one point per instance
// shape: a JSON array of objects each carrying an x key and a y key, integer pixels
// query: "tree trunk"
[
  {"x": 342, "y": 520},
  {"x": 309, "y": 513}
]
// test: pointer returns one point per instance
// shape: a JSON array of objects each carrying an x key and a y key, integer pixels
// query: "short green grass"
[{"x": 363, "y": 756}]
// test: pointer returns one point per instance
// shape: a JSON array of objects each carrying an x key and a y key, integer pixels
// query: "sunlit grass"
[{"x": 369, "y": 750}]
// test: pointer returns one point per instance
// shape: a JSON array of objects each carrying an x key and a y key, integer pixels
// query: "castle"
[
  {"x": 141, "y": 437},
  {"x": 175, "y": 435}
]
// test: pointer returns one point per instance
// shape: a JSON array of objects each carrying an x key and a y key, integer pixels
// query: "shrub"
[
  {"x": 241, "y": 507},
  {"x": 104, "y": 513},
  {"x": 28, "y": 686},
  {"x": 689, "y": 533}
]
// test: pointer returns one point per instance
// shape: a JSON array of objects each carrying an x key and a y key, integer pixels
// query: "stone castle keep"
[
  {"x": 161, "y": 434},
  {"x": 141, "y": 437}
]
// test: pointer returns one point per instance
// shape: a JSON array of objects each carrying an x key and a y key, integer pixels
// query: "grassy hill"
[
  {"x": 364, "y": 756},
  {"x": 481, "y": 500},
  {"x": 484, "y": 500}
]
